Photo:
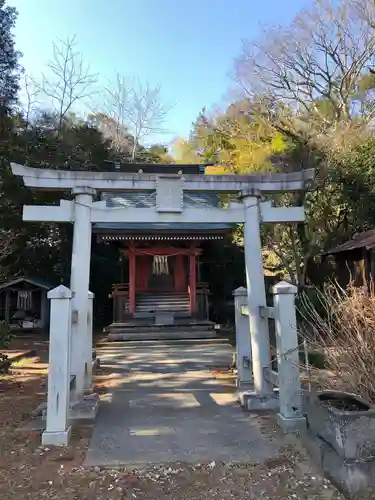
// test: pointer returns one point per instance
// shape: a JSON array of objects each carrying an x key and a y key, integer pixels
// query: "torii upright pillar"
[{"x": 79, "y": 284}]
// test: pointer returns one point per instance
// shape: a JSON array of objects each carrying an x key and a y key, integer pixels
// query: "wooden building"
[
  {"x": 24, "y": 304},
  {"x": 355, "y": 259},
  {"x": 161, "y": 274}
]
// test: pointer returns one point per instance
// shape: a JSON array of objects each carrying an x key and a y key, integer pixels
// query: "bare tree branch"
[
  {"x": 31, "y": 98},
  {"x": 133, "y": 109},
  {"x": 69, "y": 79},
  {"x": 318, "y": 59}
]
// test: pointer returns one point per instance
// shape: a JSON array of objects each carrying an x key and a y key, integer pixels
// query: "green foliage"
[
  {"x": 238, "y": 140},
  {"x": 9, "y": 69},
  {"x": 5, "y": 334},
  {"x": 273, "y": 130},
  {"x": 5, "y": 338},
  {"x": 316, "y": 359},
  {"x": 4, "y": 363}
]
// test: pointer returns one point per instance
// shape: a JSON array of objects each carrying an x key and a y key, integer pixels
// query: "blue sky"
[{"x": 185, "y": 46}]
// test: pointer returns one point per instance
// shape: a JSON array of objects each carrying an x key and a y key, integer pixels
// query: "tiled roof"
[{"x": 147, "y": 199}]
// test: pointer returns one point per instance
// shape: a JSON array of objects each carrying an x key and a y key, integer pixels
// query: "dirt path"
[{"x": 29, "y": 471}]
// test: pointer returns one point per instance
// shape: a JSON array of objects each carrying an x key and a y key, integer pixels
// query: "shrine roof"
[
  {"x": 157, "y": 226},
  {"x": 24, "y": 279},
  {"x": 147, "y": 199},
  {"x": 364, "y": 240}
]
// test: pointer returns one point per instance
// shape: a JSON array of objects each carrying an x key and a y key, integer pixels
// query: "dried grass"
[{"x": 342, "y": 324}]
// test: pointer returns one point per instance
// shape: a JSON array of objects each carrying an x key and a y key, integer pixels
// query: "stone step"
[
  {"x": 161, "y": 335},
  {"x": 162, "y": 299},
  {"x": 162, "y": 294},
  {"x": 155, "y": 331},
  {"x": 140, "y": 328},
  {"x": 131, "y": 344},
  {"x": 161, "y": 308},
  {"x": 149, "y": 322},
  {"x": 158, "y": 329},
  {"x": 147, "y": 315},
  {"x": 161, "y": 302},
  {"x": 147, "y": 296},
  {"x": 173, "y": 300}
]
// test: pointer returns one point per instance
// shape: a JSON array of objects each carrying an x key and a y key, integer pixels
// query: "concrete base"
[
  {"x": 60, "y": 438},
  {"x": 162, "y": 335},
  {"x": 164, "y": 318},
  {"x": 251, "y": 401},
  {"x": 96, "y": 363},
  {"x": 244, "y": 386},
  {"x": 289, "y": 425},
  {"x": 355, "y": 479},
  {"x": 87, "y": 409},
  {"x": 131, "y": 344}
]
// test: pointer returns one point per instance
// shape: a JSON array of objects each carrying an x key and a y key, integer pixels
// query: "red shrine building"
[{"x": 161, "y": 285}]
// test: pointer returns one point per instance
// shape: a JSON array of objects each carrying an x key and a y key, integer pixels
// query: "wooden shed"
[
  {"x": 24, "y": 304},
  {"x": 355, "y": 259}
]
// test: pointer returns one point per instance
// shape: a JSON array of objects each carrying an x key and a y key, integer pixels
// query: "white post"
[
  {"x": 243, "y": 343},
  {"x": 290, "y": 417},
  {"x": 57, "y": 429},
  {"x": 256, "y": 295},
  {"x": 79, "y": 283},
  {"x": 88, "y": 364}
]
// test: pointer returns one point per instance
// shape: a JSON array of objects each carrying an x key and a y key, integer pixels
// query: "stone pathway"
[{"x": 162, "y": 405}]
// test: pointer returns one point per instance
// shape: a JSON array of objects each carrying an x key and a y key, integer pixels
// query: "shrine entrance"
[
  {"x": 162, "y": 281},
  {"x": 176, "y": 205},
  {"x": 160, "y": 262}
]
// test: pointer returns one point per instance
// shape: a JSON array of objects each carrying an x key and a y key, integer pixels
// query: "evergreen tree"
[{"x": 9, "y": 67}]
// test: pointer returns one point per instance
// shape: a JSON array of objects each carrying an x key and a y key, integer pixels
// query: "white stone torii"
[{"x": 83, "y": 212}]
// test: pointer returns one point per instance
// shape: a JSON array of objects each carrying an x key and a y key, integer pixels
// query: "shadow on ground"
[{"x": 162, "y": 404}]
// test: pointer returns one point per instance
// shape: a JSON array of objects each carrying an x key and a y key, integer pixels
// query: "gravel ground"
[{"x": 30, "y": 471}]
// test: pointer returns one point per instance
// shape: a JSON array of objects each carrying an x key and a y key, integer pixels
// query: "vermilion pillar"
[
  {"x": 192, "y": 282},
  {"x": 131, "y": 280},
  {"x": 179, "y": 276}
]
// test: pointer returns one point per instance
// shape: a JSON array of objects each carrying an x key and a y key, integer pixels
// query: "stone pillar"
[
  {"x": 79, "y": 283},
  {"x": 57, "y": 429},
  {"x": 256, "y": 295},
  {"x": 290, "y": 417},
  {"x": 88, "y": 364},
  {"x": 243, "y": 342}
]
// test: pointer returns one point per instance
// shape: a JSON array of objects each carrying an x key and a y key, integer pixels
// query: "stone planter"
[{"x": 345, "y": 421}]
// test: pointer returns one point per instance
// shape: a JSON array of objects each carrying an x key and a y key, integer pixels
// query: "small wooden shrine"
[
  {"x": 161, "y": 261},
  {"x": 24, "y": 304}
]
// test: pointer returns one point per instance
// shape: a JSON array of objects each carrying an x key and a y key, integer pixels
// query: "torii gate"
[{"x": 82, "y": 211}]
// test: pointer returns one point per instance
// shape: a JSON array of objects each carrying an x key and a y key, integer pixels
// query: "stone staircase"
[
  {"x": 144, "y": 325},
  {"x": 141, "y": 330},
  {"x": 147, "y": 303}
]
